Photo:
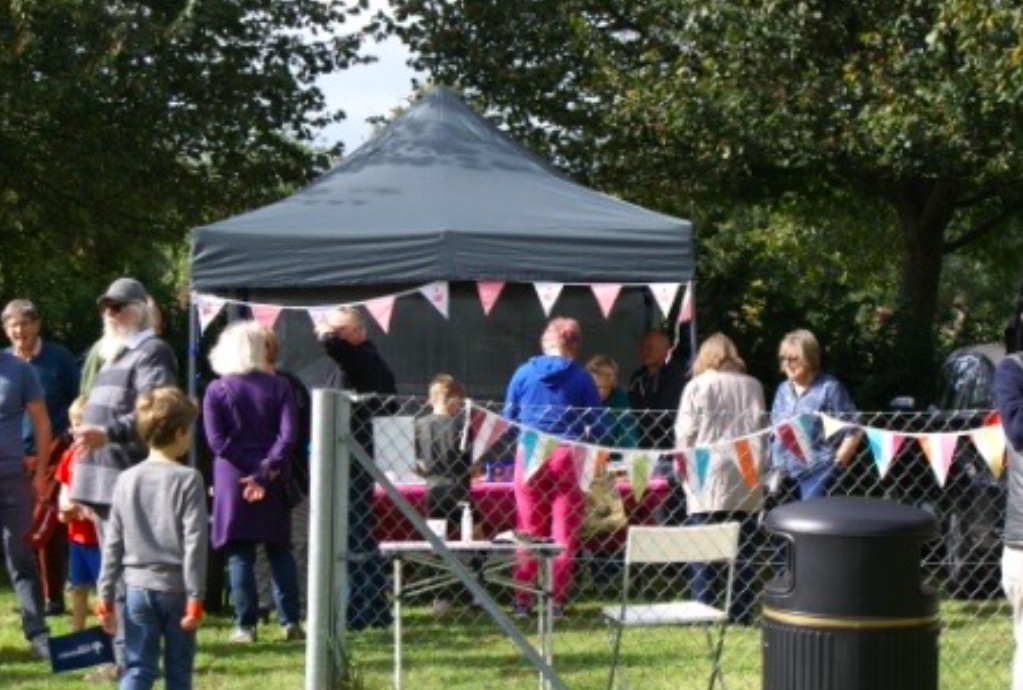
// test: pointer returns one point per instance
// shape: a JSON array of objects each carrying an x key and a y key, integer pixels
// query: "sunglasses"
[
  {"x": 789, "y": 359},
  {"x": 114, "y": 307}
]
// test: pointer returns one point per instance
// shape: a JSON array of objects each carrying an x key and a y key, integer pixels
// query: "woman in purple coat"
[{"x": 250, "y": 420}]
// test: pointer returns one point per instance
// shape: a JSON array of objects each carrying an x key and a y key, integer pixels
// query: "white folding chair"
[{"x": 663, "y": 545}]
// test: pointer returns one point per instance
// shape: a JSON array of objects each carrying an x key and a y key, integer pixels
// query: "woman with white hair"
[{"x": 250, "y": 420}]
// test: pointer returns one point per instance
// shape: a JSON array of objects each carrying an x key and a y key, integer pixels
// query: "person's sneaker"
[
  {"x": 441, "y": 607},
  {"x": 243, "y": 636},
  {"x": 522, "y": 611},
  {"x": 40, "y": 645},
  {"x": 293, "y": 632},
  {"x": 54, "y": 608},
  {"x": 107, "y": 673}
]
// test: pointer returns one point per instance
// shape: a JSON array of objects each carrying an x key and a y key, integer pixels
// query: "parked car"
[{"x": 971, "y": 505}]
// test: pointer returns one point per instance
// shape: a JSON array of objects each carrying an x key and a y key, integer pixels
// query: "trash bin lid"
[{"x": 852, "y": 516}]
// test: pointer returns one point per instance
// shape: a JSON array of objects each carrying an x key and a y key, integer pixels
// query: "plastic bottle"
[{"x": 466, "y": 522}]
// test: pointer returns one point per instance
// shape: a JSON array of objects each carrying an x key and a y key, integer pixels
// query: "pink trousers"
[{"x": 550, "y": 504}]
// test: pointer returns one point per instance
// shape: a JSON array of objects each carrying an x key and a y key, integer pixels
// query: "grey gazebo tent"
[{"x": 443, "y": 195}]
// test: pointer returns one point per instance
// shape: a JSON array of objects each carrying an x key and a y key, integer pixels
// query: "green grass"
[{"x": 468, "y": 651}]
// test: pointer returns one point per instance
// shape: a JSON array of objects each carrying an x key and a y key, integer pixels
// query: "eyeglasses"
[
  {"x": 789, "y": 359},
  {"x": 114, "y": 307}
]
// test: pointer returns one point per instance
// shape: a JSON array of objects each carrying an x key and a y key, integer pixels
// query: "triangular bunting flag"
[
  {"x": 437, "y": 295},
  {"x": 265, "y": 314},
  {"x": 990, "y": 443},
  {"x": 794, "y": 436},
  {"x": 832, "y": 426},
  {"x": 536, "y": 450},
  {"x": 548, "y": 294},
  {"x": 685, "y": 312},
  {"x": 939, "y": 449},
  {"x": 606, "y": 294},
  {"x": 640, "y": 468},
  {"x": 319, "y": 315},
  {"x": 381, "y": 309},
  {"x": 699, "y": 462},
  {"x": 884, "y": 445},
  {"x": 488, "y": 292},
  {"x": 487, "y": 428},
  {"x": 207, "y": 307},
  {"x": 746, "y": 459},
  {"x": 587, "y": 459},
  {"x": 664, "y": 294}
]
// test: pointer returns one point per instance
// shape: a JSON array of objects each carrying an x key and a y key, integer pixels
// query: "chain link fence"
[{"x": 585, "y": 493}]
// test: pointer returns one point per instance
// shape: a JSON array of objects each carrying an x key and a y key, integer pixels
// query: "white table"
[{"x": 497, "y": 555}]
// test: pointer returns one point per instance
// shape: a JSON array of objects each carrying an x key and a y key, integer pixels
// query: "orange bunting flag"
[
  {"x": 939, "y": 449},
  {"x": 265, "y": 314},
  {"x": 747, "y": 461},
  {"x": 990, "y": 443}
]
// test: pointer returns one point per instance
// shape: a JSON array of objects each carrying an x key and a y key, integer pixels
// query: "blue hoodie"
[{"x": 554, "y": 395}]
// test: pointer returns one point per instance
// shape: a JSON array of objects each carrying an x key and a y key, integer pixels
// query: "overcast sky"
[{"x": 366, "y": 91}]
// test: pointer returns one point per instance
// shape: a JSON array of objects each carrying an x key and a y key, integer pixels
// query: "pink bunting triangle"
[
  {"x": 489, "y": 292},
  {"x": 437, "y": 295},
  {"x": 381, "y": 309},
  {"x": 664, "y": 294},
  {"x": 319, "y": 314},
  {"x": 606, "y": 294},
  {"x": 265, "y": 314},
  {"x": 685, "y": 312},
  {"x": 939, "y": 449}
]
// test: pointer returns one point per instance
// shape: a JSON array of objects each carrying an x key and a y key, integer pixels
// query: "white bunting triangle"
[
  {"x": 437, "y": 295},
  {"x": 207, "y": 306},
  {"x": 685, "y": 312},
  {"x": 319, "y": 315},
  {"x": 664, "y": 294},
  {"x": 548, "y": 294}
]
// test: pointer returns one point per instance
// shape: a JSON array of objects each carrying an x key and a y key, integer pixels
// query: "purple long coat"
[{"x": 251, "y": 427}]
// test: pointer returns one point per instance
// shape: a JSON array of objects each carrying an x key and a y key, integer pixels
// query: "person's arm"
[
  {"x": 686, "y": 423},
  {"x": 287, "y": 432},
  {"x": 155, "y": 369},
  {"x": 112, "y": 562},
  {"x": 1008, "y": 390},
  {"x": 195, "y": 532},
  {"x": 840, "y": 401},
  {"x": 43, "y": 439}
]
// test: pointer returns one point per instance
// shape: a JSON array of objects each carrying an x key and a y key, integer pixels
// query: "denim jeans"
[
  {"x": 15, "y": 522},
  {"x": 241, "y": 566},
  {"x": 152, "y": 616},
  {"x": 707, "y": 580}
]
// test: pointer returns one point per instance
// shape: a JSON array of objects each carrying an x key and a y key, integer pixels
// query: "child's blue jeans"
[{"x": 152, "y": 616}]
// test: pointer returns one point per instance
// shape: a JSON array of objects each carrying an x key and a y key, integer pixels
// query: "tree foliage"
[
  {"x": 125, "y": 124},
  {"x": 888, "y": 132}
]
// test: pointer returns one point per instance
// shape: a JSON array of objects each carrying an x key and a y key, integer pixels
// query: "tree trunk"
[{"x": 925, "y": 210}]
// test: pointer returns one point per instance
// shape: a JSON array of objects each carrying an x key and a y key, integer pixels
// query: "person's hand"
[
  {"x": 107, "y": 618},
  {"x": 251, "y": 491},
  {"x": 193, "y": 616},
  {"x": 89, "y": 438},
  {"x": 40, "y": 487}
]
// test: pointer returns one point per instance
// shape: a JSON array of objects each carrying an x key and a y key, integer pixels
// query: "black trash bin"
[{"x": 849, "y": 610}]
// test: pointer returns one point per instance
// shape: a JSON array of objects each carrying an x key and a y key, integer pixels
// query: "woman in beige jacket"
[{"x": 719, "y": 406}]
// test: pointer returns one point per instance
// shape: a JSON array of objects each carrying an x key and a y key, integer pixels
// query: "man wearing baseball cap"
[{"x": 135, "y": 362}]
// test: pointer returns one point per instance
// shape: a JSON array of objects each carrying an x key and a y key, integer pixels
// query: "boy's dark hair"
[{"x": 162, "y": 414}]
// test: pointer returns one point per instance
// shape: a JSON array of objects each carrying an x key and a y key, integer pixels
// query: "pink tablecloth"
[{"x": 495, "y": 504}]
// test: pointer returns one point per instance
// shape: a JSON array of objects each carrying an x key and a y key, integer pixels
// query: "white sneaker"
[
  {"x": 40, "y": 647},
  {"x": 243, "y": 636}
]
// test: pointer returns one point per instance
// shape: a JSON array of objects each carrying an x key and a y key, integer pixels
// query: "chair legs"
[
  {"x": 614, "y": 639},
  {"x": 714, "y": 652}
]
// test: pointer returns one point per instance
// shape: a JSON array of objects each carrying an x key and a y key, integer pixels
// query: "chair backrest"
[{"x": 685, "y": 544}]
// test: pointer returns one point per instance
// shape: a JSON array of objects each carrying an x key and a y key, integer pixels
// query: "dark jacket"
[{"x": 1008, "y": 387}]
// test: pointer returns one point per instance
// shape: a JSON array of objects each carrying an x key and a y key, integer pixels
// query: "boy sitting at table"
[{"x": 444, "y": 459}]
